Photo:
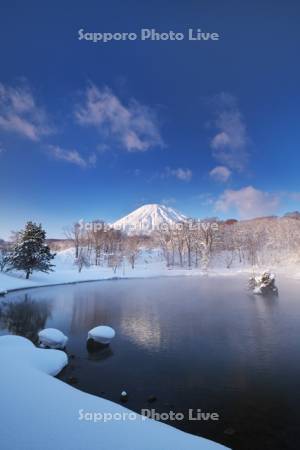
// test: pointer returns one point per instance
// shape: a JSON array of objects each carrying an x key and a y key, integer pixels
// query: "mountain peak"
[{"x": 148, "y": 218}]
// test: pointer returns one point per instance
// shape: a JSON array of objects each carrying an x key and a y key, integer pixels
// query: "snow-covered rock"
[
  {"x": 53, "y": 338},
  {"x": 263, "y": 284},
  {"x": 124, "y": 397},
  {"x": 148, "y": 218},
  {"x": 102, "y": 334},
  {"x": 3, "y": 292}
]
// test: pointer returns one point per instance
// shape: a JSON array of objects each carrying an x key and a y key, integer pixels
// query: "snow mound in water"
[
  {"x": 25, "y": 354},
  {"x": 102, "y": 334},
  {"x": 53, "y": 338}
]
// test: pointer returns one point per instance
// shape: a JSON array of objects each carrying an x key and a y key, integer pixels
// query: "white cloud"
[
  {"x": 133, "y": 126},
  {"x": 179, "y": 173},
  {"x": 248, "y": 202},
  {"x": 220, "y": 173},
  {"x": 230, "y": 143},
  {"x": 20, "y": 114},
  {"x": 72, "y": 157}
]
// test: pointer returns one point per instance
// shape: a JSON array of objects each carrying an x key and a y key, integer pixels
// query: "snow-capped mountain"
[{"x": 148, "y": 218}]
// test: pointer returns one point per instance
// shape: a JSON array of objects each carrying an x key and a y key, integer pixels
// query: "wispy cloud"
[
  {"x": 230, "y": 143},
  {"x": 20, "y": 114},
  {"x": 294, "y": 196},
  {"x": 72, "y": 157},
  {"x": 168, "y": 201},
  {"x": 220, "y": 173},
  {"x": 248, "y": 202},
  {"x": 205, "y": 199},
  {"x": 179, "y": 173},
  {"x": 133, "y": 126}
]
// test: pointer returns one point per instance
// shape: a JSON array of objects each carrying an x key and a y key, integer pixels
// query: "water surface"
[{"x": 193, "y": 343}]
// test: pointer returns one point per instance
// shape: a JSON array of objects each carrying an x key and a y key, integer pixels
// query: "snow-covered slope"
[
  {"x": 148, "y": 218},
  {"x": 40, "y": 412}
]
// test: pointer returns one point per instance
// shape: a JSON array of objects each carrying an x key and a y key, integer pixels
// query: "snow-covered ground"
[
  {"x": 149, "y": 264},
  {"x": 39, "y": 412}
]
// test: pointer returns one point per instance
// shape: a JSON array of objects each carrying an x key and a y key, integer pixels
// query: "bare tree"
[
  {"x": 115, "y": 260},
  {"x": 228, "y": 243},
  {"x": 98, "y": 238},
  {"x": 164, "y": 243},
  {"x": 76, "y": 234},
  {"x": 207, "y": 235},
  {"x": 83, "y": 259},
  {"x": 254, "y": 242},
  {"x": 133, "y": 248}
]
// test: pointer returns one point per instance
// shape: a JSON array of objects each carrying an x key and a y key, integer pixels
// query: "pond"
[{"x": 181, "y": 343}]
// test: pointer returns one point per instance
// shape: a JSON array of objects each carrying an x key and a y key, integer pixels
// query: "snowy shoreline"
[
  {"x": 13, "y": 283},
  {"x": 148, "y": 265},
  {"x": 31, "y": 284},
  {"x": 114, "y": 278},
  {"x": 39, "y": 411},
  {"x": 26, "y": 382},
  {"x": 67, "y": 274}
]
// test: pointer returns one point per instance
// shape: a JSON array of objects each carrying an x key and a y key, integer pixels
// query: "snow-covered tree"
[
  {"x": 4, "y": 259},
  {"x": 30, "y": 252}
]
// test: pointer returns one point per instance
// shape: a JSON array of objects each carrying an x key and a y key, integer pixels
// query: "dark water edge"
[{"x": 184, "y": 343}]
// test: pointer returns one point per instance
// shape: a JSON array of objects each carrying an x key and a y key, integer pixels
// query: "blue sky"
[{"x": 94, "y": 130}]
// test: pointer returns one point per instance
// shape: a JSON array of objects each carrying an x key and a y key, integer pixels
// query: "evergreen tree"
[{"x": 31, "y": 252}]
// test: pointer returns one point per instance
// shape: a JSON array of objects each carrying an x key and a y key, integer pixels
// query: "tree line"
[{"x": 187, "y": 244}]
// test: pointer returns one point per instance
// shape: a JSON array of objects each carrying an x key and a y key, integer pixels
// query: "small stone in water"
[{"x": 124, "y": 396}]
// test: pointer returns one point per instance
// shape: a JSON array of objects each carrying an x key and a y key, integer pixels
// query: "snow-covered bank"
[
  {"x": 149, "y": 264},
  {"x": 39, "y": 412}
]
